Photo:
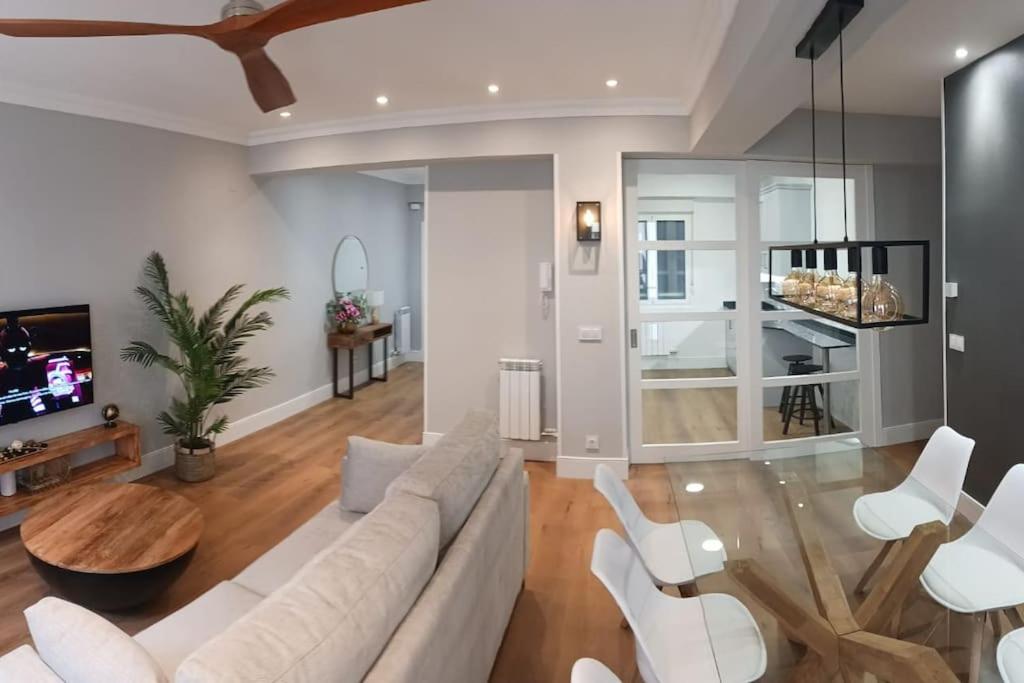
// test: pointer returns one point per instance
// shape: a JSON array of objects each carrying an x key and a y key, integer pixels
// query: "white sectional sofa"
[{"x": 419, "y": 589}]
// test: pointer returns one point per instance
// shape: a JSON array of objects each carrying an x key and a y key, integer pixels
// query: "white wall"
[
  {"x": 587, "y": 154},
  {"x": 491, "y": 225}
]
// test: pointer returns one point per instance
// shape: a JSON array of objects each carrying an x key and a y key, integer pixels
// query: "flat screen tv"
[{"x": 45, "y": 362}]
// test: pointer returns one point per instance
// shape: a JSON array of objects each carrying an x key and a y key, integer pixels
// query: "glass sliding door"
[
  {"x": 684, "y": 291},
  {"x": 715, "y": 368}
]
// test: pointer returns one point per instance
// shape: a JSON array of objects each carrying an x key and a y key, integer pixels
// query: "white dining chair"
[
  {"x": 675, "y": 554},
  {"x": 679, "y": 640},
  {"x": 930, "y": 493},
  {"x": 1010, "y": 657},
  {"x": 982, "y": 572},
  {"x": 592, "y": 671}
]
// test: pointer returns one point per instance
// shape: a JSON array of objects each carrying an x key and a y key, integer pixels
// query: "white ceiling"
[
  {"x": 901, "y": 67},
  {"x": 438, "y": 55}
]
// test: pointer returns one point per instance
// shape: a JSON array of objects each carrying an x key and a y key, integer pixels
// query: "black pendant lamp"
[{"x": 852, "y": 297}]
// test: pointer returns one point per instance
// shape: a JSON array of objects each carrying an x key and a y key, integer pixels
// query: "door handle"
[{"x": 632, "y": 338}]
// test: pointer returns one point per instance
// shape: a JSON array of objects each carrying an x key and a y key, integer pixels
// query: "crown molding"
[
  {"x": 80, "y": 105},
  {"x": 472, "y": 114}
]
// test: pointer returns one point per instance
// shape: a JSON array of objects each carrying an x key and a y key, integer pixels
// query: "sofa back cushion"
[
  {"x": 333, "y": 618},
  {"x": 455, "y": 471}
]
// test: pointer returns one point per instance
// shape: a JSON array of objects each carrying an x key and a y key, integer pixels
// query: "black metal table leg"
[
  {"x": 351, "y": 374},
  {"x": 384, "y": 377}
]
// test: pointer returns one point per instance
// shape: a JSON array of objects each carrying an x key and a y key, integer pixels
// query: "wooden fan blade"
[
  {"x": 73, "y": 28},
  {"x": 268, "y": 85},
  {"x": 295, "y": 14}
]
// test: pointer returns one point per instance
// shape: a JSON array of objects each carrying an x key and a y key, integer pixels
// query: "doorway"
[{"x": 715, "y": 368}]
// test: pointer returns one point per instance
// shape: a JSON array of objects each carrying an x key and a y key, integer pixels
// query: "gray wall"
[
  {"x": 321, "y": 207},
  {"x": 85, "y": 200},
  {"x": 984, "y": 127},
  {"x": 908, "y": 205},
  {"x": 491, "y": 223}
]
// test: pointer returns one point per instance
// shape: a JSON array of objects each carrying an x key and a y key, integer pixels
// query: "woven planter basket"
[{"x": 192, "y": 465}]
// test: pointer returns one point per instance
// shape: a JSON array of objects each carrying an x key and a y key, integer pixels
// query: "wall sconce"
[{"x": 588, "y": 221}]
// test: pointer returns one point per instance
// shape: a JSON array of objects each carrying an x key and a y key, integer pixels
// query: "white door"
[
  {"x": 685, "y": 291},
  {"x": 707, "y": 354}
]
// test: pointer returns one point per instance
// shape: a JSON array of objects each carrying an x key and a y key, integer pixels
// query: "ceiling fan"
[{"x": 244, "y": 30}]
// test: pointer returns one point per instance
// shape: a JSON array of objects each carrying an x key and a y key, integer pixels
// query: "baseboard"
[
  {"x": 363, "y": 376},
  {"x": 580, "y": 467},
  {"x": 414, "y": 356},
  {"x": 915, "y": 431},
  {"x": 430, "y": 438}
]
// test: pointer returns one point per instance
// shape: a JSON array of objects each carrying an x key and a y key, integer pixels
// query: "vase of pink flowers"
[{"x": 346, "y": 312}]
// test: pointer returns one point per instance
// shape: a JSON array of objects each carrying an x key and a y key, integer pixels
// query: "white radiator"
[
  {"x": 519, "y": 404},
  {"x": 403, "y": 325}
]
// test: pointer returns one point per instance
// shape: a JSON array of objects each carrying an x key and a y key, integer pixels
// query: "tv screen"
[{"x": 45, "y": 362}]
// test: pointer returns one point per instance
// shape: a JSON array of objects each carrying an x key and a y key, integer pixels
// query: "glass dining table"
[{"x": 833, "y": 602}]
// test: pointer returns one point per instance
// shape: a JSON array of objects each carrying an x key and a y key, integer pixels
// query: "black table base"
[{"x": 351, "y": 393}]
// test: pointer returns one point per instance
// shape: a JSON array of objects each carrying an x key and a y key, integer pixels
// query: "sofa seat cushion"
[
  {"x": 369, "y": 467},
  {"x": 455, "y": 471},
  {"x": 177, "y": 636},
  {"x": 332, "y": 619},
  {"x": 82, "y": 647},
  {"x": 279, "y": 564},
  {"x": 22, "y": 665}
]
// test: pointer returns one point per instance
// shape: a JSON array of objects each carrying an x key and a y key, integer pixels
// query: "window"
[{"x": 662, "y": 272}]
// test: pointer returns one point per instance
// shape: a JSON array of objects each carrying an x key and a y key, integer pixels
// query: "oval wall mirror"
[{"x": 351, "y": 266}]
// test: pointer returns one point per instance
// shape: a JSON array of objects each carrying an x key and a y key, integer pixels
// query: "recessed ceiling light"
[
  {"x": 382, "y": 100},
  {"x": 285, "y": 115},
  {"x": 612, "y": 83},
  {"x": 961, "y": 53},
  {"x": 694, "y": 487},
  {"x": 493, "y": 88}
]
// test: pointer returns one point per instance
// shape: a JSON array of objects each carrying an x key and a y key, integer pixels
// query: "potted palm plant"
[{"x": 208, "y": 362}]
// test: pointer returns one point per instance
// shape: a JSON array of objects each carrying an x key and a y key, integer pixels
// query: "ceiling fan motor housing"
[{"x": 240, "y": 8}]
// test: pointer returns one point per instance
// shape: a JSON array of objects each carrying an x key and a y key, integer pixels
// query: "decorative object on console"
[
  {"x": 847, "y": 299},
  {"x": 374, "y": 299},
  {"x": 45, "y": 475},
  {"x": 588, "y": 221},
  {"x": 110, "y": 414},
  {"x": 346, "y": 312},
  {"x": 17, "y": 449},
  {"x": 244, "y": 30},
  {"x": 209, "y": 363}
]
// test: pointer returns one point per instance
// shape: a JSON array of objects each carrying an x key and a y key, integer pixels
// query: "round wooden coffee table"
[{"x": 112, "y": 546}]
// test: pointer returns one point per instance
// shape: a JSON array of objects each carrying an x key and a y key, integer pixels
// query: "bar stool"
[
  {"x": 802, "y": 402},
  {"x": 795, "y": 360}
]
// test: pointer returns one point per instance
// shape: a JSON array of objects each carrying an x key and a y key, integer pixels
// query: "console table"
[{"x": 363, "y": 336}]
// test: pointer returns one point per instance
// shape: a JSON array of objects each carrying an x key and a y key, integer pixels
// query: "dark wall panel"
[{"x": 984, "y": 137}]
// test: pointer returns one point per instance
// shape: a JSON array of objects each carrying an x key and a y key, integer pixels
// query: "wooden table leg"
[
  {"x": 977, "y": 639},
  {"x": 873, "y": 567}
]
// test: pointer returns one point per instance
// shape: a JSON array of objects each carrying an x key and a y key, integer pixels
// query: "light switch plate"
[
  {"x": 952, "y": 290},
  {"x": 590, "y": 333},
  {"x": 593, "y": 443},
  {"x": 956, "y": 342}
]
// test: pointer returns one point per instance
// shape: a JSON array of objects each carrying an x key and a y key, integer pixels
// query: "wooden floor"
[
  {"x": 707, "y": 415},
  {"x": 271, "y": 482}
]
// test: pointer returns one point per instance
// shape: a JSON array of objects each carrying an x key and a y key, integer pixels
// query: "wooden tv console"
[{"x": 127, "y": 455}]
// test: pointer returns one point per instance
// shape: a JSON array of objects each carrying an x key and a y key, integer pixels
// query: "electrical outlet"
[
  {"x": 956, "y": 342},
  {"x": 593, "y": 442}
]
